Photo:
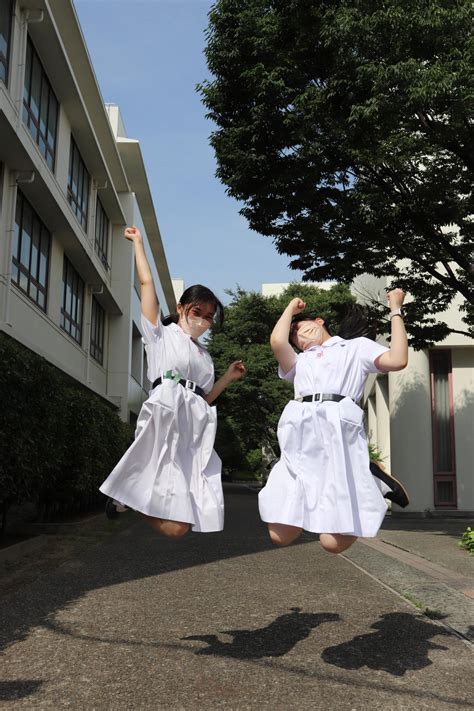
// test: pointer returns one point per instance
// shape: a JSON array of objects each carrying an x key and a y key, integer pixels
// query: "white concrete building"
[
  {"x": 422, "y": 418},
  {"x": 70, "y": 180},
  {"x": 275, "y": 288}
]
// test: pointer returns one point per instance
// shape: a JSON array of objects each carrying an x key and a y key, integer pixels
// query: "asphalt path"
[{"x": 222, "y": 621}]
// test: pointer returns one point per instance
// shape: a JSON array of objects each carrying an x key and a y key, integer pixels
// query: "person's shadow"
[
  {"x": 275, "y": 640},
  {"x": 401, "y": 643}
]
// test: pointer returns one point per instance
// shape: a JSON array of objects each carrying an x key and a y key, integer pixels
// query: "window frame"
[
  {"x": 97, "y": 335},
  {"x": 443, "y": 475},
  {"x": 76, "y": 199},
  {"x": 43, "y": 235},
  {"x": 45, "y": 94},
  {"x": 5, "y": 58},
  {"x": 101, "y": 234},
  {"x": 77, "y": 288}
]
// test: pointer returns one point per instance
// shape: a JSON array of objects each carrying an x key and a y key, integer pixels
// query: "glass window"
[
  {"x": 30, "y": 253},
  {"x": 97, "y": 331},
  {"x": 78, "y": 185},
  {"x": 101, "y": 234},
  {"x": 442, "y": 417},
  {"x": 137, "y": 354},
  {"x": 73, "y": 297},
  {"x": 40, "y": 106},
  {"x": 6, "y": 13}
]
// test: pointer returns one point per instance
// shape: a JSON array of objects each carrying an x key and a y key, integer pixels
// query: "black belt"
[
  {"x": 321, "y": 397},
  {"x": 185, "y": 383}
]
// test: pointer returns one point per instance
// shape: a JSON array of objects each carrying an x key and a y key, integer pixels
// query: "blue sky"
[{"x": 148, "y": 58}]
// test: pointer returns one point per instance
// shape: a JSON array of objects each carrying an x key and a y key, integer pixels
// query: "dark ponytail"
[
  {"x": 194, "y": 296},
  {"x": 356, "y": 323},
  {"x": 353, "y": 321}
]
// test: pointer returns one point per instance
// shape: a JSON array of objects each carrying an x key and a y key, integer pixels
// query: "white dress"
[
  {"x": 171, "y": 470},
  {"x": 322, "y": 482}
]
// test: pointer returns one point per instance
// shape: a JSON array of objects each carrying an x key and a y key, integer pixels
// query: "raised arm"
[
  {"x": 281, "y": 348},
  {"x": 235, "y": 371},
  {"x": 397, "y": 357},
  {"x": 149, "y": 302}
]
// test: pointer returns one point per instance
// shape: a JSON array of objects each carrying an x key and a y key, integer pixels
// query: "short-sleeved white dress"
[
  {"x": 171, "y": 470},
  {"x": 322, "y": 482}
]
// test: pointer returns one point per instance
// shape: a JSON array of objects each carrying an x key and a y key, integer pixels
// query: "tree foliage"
[
  {"x": 346, "y": 128},
  {"x": 249, "y": 410}
]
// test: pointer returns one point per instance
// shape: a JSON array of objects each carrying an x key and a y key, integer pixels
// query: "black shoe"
[
  {"x": 397, "y": 492},
  {"x": 111, "y": 509}
]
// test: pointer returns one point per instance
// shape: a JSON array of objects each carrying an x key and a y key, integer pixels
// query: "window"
[
  {"x": 40, "y": 106},
  {"x": 78, "y": 185},
  {"x": 73, "y": 300},
  {"x": 442, "y": 419},
  {"x": 136, "y": 280},
  {"x": 6, "y": 13},
  {"x": 137, "y": 354},
  {"x": 97, "y": 331},
  {"x": 101, "y": 234},
  {"x": 30, "y": 253},
  {"x": 146, "y": 383}
]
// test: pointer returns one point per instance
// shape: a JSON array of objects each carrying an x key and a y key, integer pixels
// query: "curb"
[
  {"x": 32, "y": 545},
  {"x": 59, "y": 527}
]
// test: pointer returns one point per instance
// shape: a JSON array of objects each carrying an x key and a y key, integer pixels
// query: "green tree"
[
  {"x": 345, "y": 127},
  {"x": 249, "y": 410}
]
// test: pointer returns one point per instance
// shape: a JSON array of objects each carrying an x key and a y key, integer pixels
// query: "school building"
[
  {"x": 70, "y": 180},
  {"x": 422, "y": 418}
]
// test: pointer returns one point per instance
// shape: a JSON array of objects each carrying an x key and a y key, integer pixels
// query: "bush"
[
  {"x": 59, "y": 440},
  {"x": 467, "y": 540}
]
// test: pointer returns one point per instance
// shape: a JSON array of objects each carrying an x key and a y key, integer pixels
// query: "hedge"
[{"x": 58, "y": 440}]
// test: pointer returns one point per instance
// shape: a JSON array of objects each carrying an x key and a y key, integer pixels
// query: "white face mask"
[
  {"x": 309, "y": 335},
  {"x": 194, "y": 327}
]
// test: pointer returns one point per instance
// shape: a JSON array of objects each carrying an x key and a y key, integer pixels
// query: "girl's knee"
[
  {"x": 336, "y": 543},
  {"x": 281, "y": 535},
  {"x": 170, "y": 529},
  {"x": 174, "y": 529}
]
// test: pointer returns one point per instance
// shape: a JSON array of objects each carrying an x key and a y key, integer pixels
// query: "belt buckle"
[
  {"x": 317, "y": 397},
  {"x": 190, "y": 385}
]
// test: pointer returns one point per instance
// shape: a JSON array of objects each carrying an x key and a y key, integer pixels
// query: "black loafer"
[
  {"x": 397, "y": 492},
  {"x": 110, "y": 510}
]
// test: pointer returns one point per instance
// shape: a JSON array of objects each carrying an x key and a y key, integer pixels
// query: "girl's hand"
[
  {"x": 297, "y": 306},
  {"x": 395, "y": 299},
  {"x": 132, "y": 233},
  {"x": 235, "y": 370}
]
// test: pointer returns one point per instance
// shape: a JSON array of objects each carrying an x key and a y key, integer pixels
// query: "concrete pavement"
[{"x": 221, "y": 621}]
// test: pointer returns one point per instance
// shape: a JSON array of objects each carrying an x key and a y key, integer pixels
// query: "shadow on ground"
[
  {"x": 138, "y": 554},
  {"x": 391, "y": 647},
  {"x": 275, "y": 640},
  {"x": 18, "y": 689}
]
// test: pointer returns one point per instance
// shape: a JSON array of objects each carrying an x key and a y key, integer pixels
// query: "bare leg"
[
  {"x": 170, "y": 529},
  {"x": 282, "y": 535},
  {"x": 336, "y": 542}
]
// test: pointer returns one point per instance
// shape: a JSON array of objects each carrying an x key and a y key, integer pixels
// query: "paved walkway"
[{"x": 221, "y": 621}]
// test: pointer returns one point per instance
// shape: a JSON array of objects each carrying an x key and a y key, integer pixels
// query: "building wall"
[
  {"x": 57, "y": 39},
  {"x": 403, "y": 430}
]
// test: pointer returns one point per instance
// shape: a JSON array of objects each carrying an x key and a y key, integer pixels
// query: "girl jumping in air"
[
  {"x": 323, "y": 482},
  {"x": 171, "y": 473}
]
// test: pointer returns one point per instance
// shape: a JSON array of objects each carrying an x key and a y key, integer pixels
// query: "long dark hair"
[
  {"x": 194, "y": 296},
  {"x": 354, "y": 322}
]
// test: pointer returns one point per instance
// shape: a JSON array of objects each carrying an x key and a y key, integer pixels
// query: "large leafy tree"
[
  {"x": 346, "y": 129},
  {"x": 249, "y": 410}
]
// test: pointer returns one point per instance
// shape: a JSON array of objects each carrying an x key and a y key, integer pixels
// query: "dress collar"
[{"x": 327, "y": 344}]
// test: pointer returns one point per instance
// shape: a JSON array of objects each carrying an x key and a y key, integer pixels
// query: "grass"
[{"x": 432, "y": 614}]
